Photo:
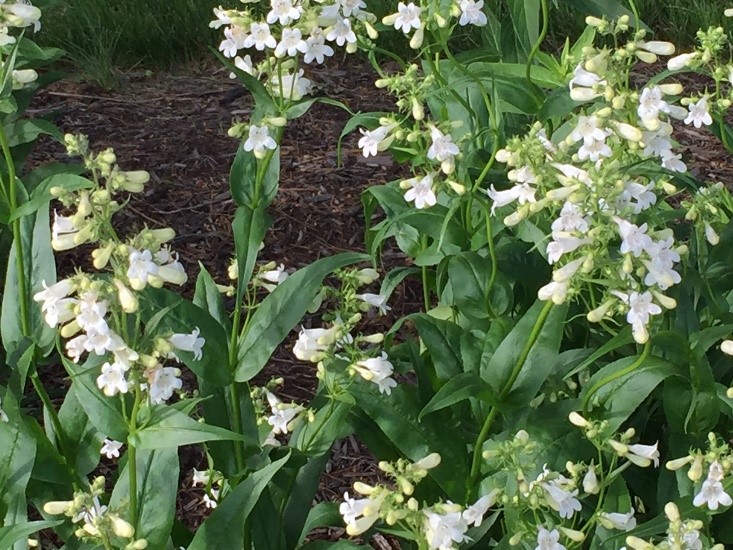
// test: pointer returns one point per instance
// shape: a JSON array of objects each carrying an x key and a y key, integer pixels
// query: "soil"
[{"x": 174, "y": 124}]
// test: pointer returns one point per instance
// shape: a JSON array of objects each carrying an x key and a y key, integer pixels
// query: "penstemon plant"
[{"x": 569, "y": 386}]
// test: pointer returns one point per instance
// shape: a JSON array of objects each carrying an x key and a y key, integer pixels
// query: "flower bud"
[
  {"x": 516, "y": 539},
  {"x": 418, "y": 113},
  {"x": 367, "y": 276},
  {"x": 417, "y": 40},
  {"x": 695, "y": 471},
  {"x": 57, "y": 507},
  {"x": 577, "y": 420},
  {"x": 363, "y": 488},
  {"x": 658, "y": 47},
  {"x": 163, "y": 235},
  {"x": 671, "y": 511},
  {"x": 429, "y": 462},
  {"x": 101, "y": 256},
  {"x": 590, "y": 482},
  {"x": 371, "y": 31},
  {"x": 120, "y": 527},
  {"x": 68, "y": 330},
  {"x": 572, "y": 534}
]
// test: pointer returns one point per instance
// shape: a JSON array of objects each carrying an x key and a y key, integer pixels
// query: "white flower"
[
  {"x": 282, "y": 414},
  {"x": 442, "y": 147},
  {"x": 641, "y": 455},
  {"x": 571, "y": 219},
  {"x": 307, "y": 345},
  {"x": 564, "y": 502},
  {"x": 443, "y": 530},
  {"x": 617, "y": 520},
  {"x": 291, "y": 42},
  {"x": 378, "y": 370},
  {"x": 471, "y": 13},
  {"x": 661, "y": 266},
  {"x": 142, "y": 269},
  {"x": 259, "y": 140},
  {"x": 712, "y": 495},
  {"x": 271, "y": 278},
  {"x": 639, "y": 197},
  {"x": 588, "y": 130},
  {"x": 293, "y": 86},
  {"x": 641, "y": 308},
  {"x": 57, "y": 308},
  {"x": 562, "y": 243},
  {"x": 111, "y": 448},
  {"x": 590, "y": 480},
  {"x": 260, "y": 37},
  {"x": 359, "y": 515},
  {"x": 475, "y": 513},
  {"x": 211, "y": 498},
  {"x": 234, "y": 40},
  {"x": 63, "y": 233},
  {"x": 341, "y": 33},
  {"x": 690, "y": 538},
  {"x": 373, "y": 141},
  {"x": 548, "y": 540},
  {"x": 584, "y": 84},
  {"x": 651, "y": 103},
  {"x": 162, "y": 382},
  {"x": 189, "y": 342},
  {"x": 634, "y": 238},
  {"x": 222, "y": 18},
  {"x": 522, "y": 193},
  {"x": 352, "y": 7},
  {"x": 673, "y": 162},
  {"x": 421, "y": 192},
  {"x": 375, "y": 300},
  {"x": 408, "y": 17},
  {"x": 112, "y": 380},
  {"x": 283, "y": 12},
  {"x": 594, "y": 150},
  {"x": 244, "y": 64},
  {"x": 681, "y": 61},
  {"x": 557, "y": 291},
  {"x": 316, "y": 48},
  {"x": 699, "y": 114},
  {"x": 200, "y": 477}
]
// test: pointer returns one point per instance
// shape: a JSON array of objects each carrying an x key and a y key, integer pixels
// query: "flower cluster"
[
  {"x": 92, "y": 311},
  {"x": 277, "y": 417},
  {"x": 214, "y": 484},
  {"x": 607, "y": 228},
  {"x": 96, "y": 523},
  {"x": 290, "y": 33},
  {"x": 708, "y": 470},
  {"x": 429, "y": 142},
  {"x": 415, "y": 19},
  {"x": 441, "y": 526},
  {"x": 681, "y": 534},
  {"x": 334, "y": 344}
]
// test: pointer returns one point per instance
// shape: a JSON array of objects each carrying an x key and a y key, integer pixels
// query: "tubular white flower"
[
  {"x": 111, "y": 448},
  {"x": 681, "y": 61},
  {"x": 561, "y": 500},
  {"x": 162, "y": 382},
  {"x": 192, "y": 343},
  {"x": 359, "y": 515},
  {"x": 443, "y": 530},
  {"x": 472, "y": 13},
  {"x": 406, "y": 18},
  {"x": 375, "y": 300},
  {"x": 726, "y": 346},
  {"x": 617, "y": 520},
  {"x": 259, "y": 141},
  {"x": 548, "y": 540},
  {"x": 699, "y": 114},
  {"x": 377, "y": 370},
  {"x": 658, "y": 47},
  {"x": 142, "y": 269},
  {"x": 421, "y": 193},
  {"x": 712, "y": 494}
]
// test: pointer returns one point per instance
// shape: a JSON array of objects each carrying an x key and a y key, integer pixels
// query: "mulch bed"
[{"x": 174, "y": 125}]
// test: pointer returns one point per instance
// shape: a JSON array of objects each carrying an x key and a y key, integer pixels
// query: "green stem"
[
  {"x": 477, "y": 451},
  {"x": 536, "y": 47},
  {"x": 19, "y": 252},
  {"x": 237, "y": 423},
  {"x": 424, "y": 272},
  {"x": 635, "y": 11},
  {"x": 616, "y": 375},
  {"x": 132, "y": 459}
]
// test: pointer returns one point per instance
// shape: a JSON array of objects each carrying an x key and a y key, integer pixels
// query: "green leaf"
[
  {"x": 26, "y": 130},
  {"x": 11, "y": 534},
  {"x": 541, "y": 360},
  {"x": 84, "y": 439},
  {"x": 281, "y": 311},
  {"x": 323, "y": 514},
  {"x": 168, "y": 427},
  {"x": 452, "y": 348},
  {"x": 183, "y": 316},
  {"x": 463, "y": 386},
  {"x": 39, "y": 266},
  {"x": 624, "y": 395},
  {"x": 224, "y": 528},
  {"x": 397, "y": 416},
  {"x": 338, "y": 545},
  {"x": 104, "y": 412},
  {"x": 249, "y": 228},
  {"x": 157, "y": 487},
  {"x": 300, "y": 498},
  {"x": 208, "y": 298},
  {"x": 468, "y": 276},
  {"x": 41, "y": 195},
  {"x": 243, "y": 177},
  {"x": 329, "y": 424}
]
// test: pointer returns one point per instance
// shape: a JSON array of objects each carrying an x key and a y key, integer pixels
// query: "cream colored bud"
[
  {"x": 418, "y": 113},
  {"x": 140, "y": 544},
  {"x": 671, "y": 511},
  {"x": 163, "y": 235},
  {"x": 120, "y": 527},
  {"x": 678, "y": 463},
  {"x": 726, "y": 346},
  {"x": 516, "y": 539},
  {"x": 137, "y": 177},
  {"x": 57, "y": 507},
  {"x": 371, "y": 31},
  {"x": 671, "y": 89},
  {"x": 389, "y": 20},
  {"x": 277, "y": 121},
  {"x": 594, "y": 21},
  {"x": 127, "y": 298},
  {"x": 458, "y": 188},
  {"x": 148, "y": 361},
  {"x": 107, "y": 157},
  {"x": 68, "y": 330},
  {"x": 658, "y": 47},
  {"x": 628, "y": 132},
  {"x": 406, "y": 487},
  {"x": 583, "y": 94},
  {"x": 101, "y": 256},
  {"x": 577, "y": 420},
  {"x": 429, "y": 462},
  {"x": 695, "y": 471},
  {"x": 665, "y": 301},
  {"x": 639, "y": 544},
  {"x": 32, "y": 543},
  {"x": 363, "y": 488},
  {"x": 669, "y": 188},
  {"x": 413, "y": 505},
  {"x": 377, "y": 338},
  {"x": 572, "y": 534},
  {"x": 417, "y": 39},
  {"x": 85, "y": 205},
  {"x": 367, "y": 275}
]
